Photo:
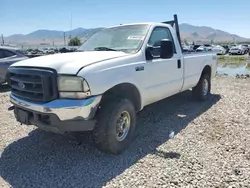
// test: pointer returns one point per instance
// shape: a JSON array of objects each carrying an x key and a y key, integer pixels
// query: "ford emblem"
[{"x": 21, "y": 85}]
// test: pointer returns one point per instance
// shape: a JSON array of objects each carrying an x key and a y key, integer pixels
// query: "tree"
[{"x": 75, "y": 42}]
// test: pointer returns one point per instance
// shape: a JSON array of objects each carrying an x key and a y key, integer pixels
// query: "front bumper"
[
  {"x": 235, "y": 52},
  {"x": 61, "y": 115}
]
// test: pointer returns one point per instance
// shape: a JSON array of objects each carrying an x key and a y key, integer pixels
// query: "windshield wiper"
[{"x": 104, "y": 49}]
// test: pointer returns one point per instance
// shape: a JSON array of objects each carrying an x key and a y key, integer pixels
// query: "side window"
[
  {"x": 157, "y": 35},
  {"x": 1, "y": 54},
  {"x": 6, "y": 53}
]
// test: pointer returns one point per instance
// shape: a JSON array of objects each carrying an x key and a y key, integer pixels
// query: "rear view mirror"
[{"x": 167, "y": 50}]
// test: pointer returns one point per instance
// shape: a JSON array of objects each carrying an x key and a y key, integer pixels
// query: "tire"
[
  {"x": 105, "y": 134},
  {"x": 199, "y": 92}
]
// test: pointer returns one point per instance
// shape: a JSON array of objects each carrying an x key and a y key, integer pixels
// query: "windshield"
[
  {"x": 201, "y": 47},
  {"x": 126, "y": 38}
]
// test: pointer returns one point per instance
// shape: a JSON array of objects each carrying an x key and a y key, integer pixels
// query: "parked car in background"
[
  {"x": 51, "y": 51},
  {"x": 186, "y": 48},
  {"x": 45, "y": 50},
  {"x": 227, "y": 48},
  {"x": 73, "y": 49},
  {"x": 208, "y": 47},
  {"x": 245, "y": 47},
  {"x": 36, "y": 52},
  {"x": 8, "y": 56},
  {"x": 63, "y": 50},
  {"x": 202, "y": 49},
  {"x": 56, "y": 50},
  {"x": 196, "y": 46},
  {"x": 219, "y": 50},
  {"x": 238, "y": 50}
]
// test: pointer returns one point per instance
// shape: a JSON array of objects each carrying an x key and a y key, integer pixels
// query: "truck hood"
[{"x": 69, "y": 63}]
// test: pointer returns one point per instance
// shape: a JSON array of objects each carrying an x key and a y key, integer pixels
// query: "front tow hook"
[{"x": 11, "y": 108}]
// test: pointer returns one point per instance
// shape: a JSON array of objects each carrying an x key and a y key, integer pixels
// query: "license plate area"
[{"x": 23, "y": 116}]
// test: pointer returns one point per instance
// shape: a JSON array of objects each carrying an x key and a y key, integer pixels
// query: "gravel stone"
[{"x": 179, "y": 143}]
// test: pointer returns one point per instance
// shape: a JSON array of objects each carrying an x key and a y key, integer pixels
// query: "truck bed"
[{"x": 194, "y": 63}]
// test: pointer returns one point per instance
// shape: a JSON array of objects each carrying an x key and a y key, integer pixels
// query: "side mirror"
[
  {"x": 149, "y": 55},
  {"x": 166, "y": 50}
]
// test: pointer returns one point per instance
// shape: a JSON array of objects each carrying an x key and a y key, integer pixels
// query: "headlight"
[{"x": 73, "y": 87}]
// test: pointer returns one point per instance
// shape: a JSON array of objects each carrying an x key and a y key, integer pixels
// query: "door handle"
[{"x": 179, "y": 63}]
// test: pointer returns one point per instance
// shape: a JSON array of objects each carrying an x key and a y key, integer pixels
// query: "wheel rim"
[
  {"x": 122, "y": 126},
  {"x": 205, "y": 87}
]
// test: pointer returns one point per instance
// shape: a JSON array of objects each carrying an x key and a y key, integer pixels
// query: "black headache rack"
[
  {"x": 33, "y": 84},
  {"x": 174, "y": 23}
]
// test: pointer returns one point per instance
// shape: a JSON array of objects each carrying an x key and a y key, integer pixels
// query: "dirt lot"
[{"x": 210, "y": 147}]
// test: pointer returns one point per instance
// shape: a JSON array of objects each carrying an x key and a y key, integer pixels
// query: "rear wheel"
[
  {"x": 115, "y": 126},
  {"x": 202, "y": 90}
]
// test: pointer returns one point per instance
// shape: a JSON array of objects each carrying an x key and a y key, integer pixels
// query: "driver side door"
[{"x": 166, "y": 75}]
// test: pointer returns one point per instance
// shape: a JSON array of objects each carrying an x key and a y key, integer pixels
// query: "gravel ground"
[{"x": 180, "y": 143}]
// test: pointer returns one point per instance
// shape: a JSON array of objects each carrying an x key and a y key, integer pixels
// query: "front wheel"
[
  {"x": 115, "y": 126},
  {"x": 202, "y": 90}
]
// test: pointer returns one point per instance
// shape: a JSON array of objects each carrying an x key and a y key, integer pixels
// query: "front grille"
[{"x": 33, "y": 84}]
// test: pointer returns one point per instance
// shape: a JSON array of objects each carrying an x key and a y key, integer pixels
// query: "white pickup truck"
[{"x": 115, "y": 74}]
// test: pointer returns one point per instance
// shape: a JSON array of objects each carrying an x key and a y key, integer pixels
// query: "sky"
[{"x": 25, "y": 16}]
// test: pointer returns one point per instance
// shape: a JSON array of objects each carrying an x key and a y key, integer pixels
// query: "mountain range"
[
  {"x": 189, "y": 33},
  {"x": 204, "y": 33}
]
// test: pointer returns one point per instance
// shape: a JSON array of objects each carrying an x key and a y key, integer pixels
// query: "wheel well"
[
  {"x": 207, "y": 70},
  {"x": 125, "y": 90}
]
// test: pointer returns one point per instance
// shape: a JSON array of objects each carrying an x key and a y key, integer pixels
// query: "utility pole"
[
  {"x": 2, "y": 40},
  {"x": 70, "y": 25},
  {"x": 64, "y": 39},
  {"x": 71, "y": 21}
]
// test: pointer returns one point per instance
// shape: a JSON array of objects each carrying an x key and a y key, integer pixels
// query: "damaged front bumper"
[{"x": 61, "y": 115}]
